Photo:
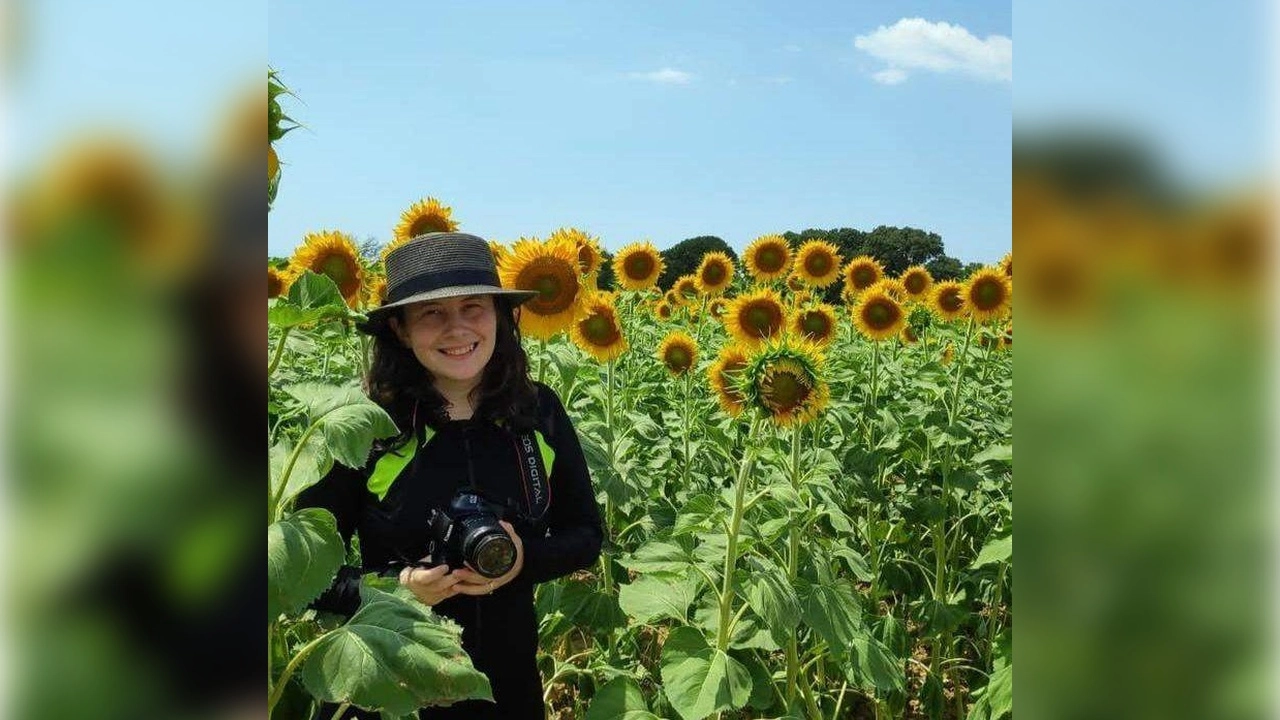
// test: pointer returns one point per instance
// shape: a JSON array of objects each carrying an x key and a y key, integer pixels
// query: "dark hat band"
[{"x": 427, "y": 282}]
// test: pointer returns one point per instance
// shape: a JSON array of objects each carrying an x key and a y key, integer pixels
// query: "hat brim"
[{"x": 377, "y": 317}]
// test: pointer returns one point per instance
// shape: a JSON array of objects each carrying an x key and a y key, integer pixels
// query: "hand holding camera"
[{"x": 438, "y": 582}]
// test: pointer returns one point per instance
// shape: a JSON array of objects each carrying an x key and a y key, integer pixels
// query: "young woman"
[{"x": 449, "y": 368}]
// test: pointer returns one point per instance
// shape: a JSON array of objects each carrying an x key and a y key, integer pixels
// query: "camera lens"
[{"x": 492, "y": 555}]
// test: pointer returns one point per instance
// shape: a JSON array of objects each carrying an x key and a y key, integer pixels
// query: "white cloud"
[
  {"x": 666, "y": 76},
  {"x": 892, "y": 76},
  {"x": 915, "y": 44}
]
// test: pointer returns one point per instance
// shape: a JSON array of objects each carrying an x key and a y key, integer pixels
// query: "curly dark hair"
[{"x": 404, "y": 388}]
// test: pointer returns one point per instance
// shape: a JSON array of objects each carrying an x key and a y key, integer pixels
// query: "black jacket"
[{"x": 500, "y": 631}]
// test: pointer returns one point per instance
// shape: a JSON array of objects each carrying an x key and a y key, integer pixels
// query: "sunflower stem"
[
  {"x": 960, "y": 367},
  {"x": 275, "y": 358},
  {"x": 606, "y": 575},
  {"x": 684, "y": 475},
  {"x": 793, "y": 569},
  {"x": 875, "y": 377},
  {"x": 731, "y": 552}
]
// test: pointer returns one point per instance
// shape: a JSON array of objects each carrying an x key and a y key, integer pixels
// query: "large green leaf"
[
  {"x": 649, "y": 597},
  {"x": 619, "y": 699},
  {"x": 995, "y": 551},
  {"x": 698, "y": 679},
  {"x": 995, "y": 453},
  {"x": 304, "y": 552},
  {"x": 313, "y": 462},
  {"x": 395, "y": 656},
  {"x": 871, "y": 665},
  {"x": 772, "y": 597},
  {"x": 581, "y": 604},
  {"x": 659, "y": 556},
  {"x": 349, "y": 421},
  {"x": 311, "y": 298},
  {"x": 832, "y": 611},
  {"x": 996, "y": 699}
]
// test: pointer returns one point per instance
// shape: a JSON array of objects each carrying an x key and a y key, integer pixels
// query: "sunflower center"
[
  {"x": 783, "y": 392},
  {"x": 338, "y": 268},
  {"x": 586, "y": 258},
  {"x": 987, "y": 294},
  {"x": 914, "y": 283},
  {"x": 713, "y": 274},
  {"x": 599, "y": 330},
  {"x": 815, "y": 323},
  {"x": 427, "y": 224},
  {"x": 880, "y": 315},
  {"x": 863, "y": 277},
  {"x": 818, "y": 264},
  {"x": 761, "y": 319},
  {"x": 770, "y": 259},
  {"x": 274, "y": 285},
  {"x": 950, "y": 301},
  {"x": 678, "y": 359},
  {"x": 555, "y": 282},
  {"x": 638, "y": 266}
]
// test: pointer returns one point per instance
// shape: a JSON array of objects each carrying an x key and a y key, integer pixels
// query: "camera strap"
[{"x": 536, "y": 456}]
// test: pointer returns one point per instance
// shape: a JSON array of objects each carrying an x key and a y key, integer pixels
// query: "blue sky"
[{"x": 659, "y": 121}]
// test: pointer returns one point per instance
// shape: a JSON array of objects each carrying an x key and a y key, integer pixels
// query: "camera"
[{"x": 468, "y": 533}]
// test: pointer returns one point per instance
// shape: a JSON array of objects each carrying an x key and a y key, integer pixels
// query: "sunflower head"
[
  {"x": 588, "y": 247},
  {"x": 673, "y": 298},
  {"x": 637, "y": 266},
  {"x": 678, "y": 353},
  {"x": 817, "y": 324},
  {"x": 988, "y": 294},
  {"x": 725, "y": 378},
  {"x": 948, "y": 300},
  {"x": 425, "y": 216},
  {"x": 755, "y": 317},
  {"x": 768, "y": 257},
  {"x": 794, "y": 283},
  {"x": 818, "y": 263},
  {"x": 276, "y": 283},
  {"x": 861, "y": 273},
  {"x": 714, "y": 274},
  {"x": 909, "y": 336},
  {"x": 663, "y": 310},
  {"x": 685, "y": 288},
  {"x": 917, "y": 281},
  {"x": 1006, "y": 264},
  {"x": 331, "y": 253},
  {"x": 877, "y": 315},
  {"x": 784, "y": 380},
  {"x": 717, "y": 307},
  {"x": 597, "y": 330},
  {"x": 551, "y": 269},
  {"x": 500, "y": 252},
  {"x": 893, "y": 288},
  {"x": 377, "y": 291}
]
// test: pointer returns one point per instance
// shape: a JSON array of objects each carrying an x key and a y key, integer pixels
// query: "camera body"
[{"x": 468, "y": 533}]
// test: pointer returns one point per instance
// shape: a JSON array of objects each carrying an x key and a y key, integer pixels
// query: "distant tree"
[
  {"x": 971, "y": 268},
  {"x": 606, "y": 279},
  {"x": 684, "y": 257},
  {"x": 898, "y": 248},
  {"x": 370, "y": 249},
  {"x": 945, "y": 267}
]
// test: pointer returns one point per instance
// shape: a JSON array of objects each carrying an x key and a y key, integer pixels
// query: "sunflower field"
[{"x": 808, "y": 506}]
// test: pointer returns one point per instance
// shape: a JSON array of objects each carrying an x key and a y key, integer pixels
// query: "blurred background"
[{"x": 135, "y": 223}]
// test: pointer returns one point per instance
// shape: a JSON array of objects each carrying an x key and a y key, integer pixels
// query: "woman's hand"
[
  {"x": 430, "y": 585},
  {"x": 473, "y": 583}
]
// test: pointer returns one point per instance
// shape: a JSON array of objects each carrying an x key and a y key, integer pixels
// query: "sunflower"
[
  {"x": 663, "y": 310},
  {"x": 816, "y": 324},
  {"x": 794, "y": 283},
  {"x": 948, "y": 300},
  {"x": 717, "y": 307},
  {"x": 597, "y": 330},
  {"x": 877, "y": 315},
  {"x": 917, "y": 281},
  {"x": 784, "y": 381},
  {"x": 277, "y": 285},
  {"x": 861, "y": 273},
  {"x": 1006, "y": 264},
  {"x": 673, "y": 298},
  {"x": 637, "y": 266},
  {"x": 714, "y": 274},
  {"x": 1006, "y": 338},
  {"x": 678, "y": 352},
  {"x": 802, "y": 298},
  {"x": 818, "y": 263},
  {"x": 377, "y": 291},
  {"x": 893, "y": 287},
  {"x": 500, "y": 252},
  {"x": 686, "y": 288},
  {"x": 755, "y": 317},
  {"x": 589, "y": 255},
  {"x": 724, "y": 377},
  {"x": 331, "y": 253},
  {"x": 988, "y": 294},
  {"x": 550, "y": 268},
  {"x": 949, "y": 354},
  {"x": 273, "y": 163},
  {"x": 424, "y": 216},
  {"x": 909, "y": 336},
  {"x": 768, "y": 257}
]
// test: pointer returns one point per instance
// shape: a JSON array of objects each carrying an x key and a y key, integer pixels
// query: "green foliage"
[
  {"x": 619, "y": 699},
  {"x": 304, "y": 552},
  {"x": 684, "y": 257},
  {"x": 699, "y": 679}
]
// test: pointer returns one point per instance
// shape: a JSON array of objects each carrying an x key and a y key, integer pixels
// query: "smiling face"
[{"x": 453, "y": 338}]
